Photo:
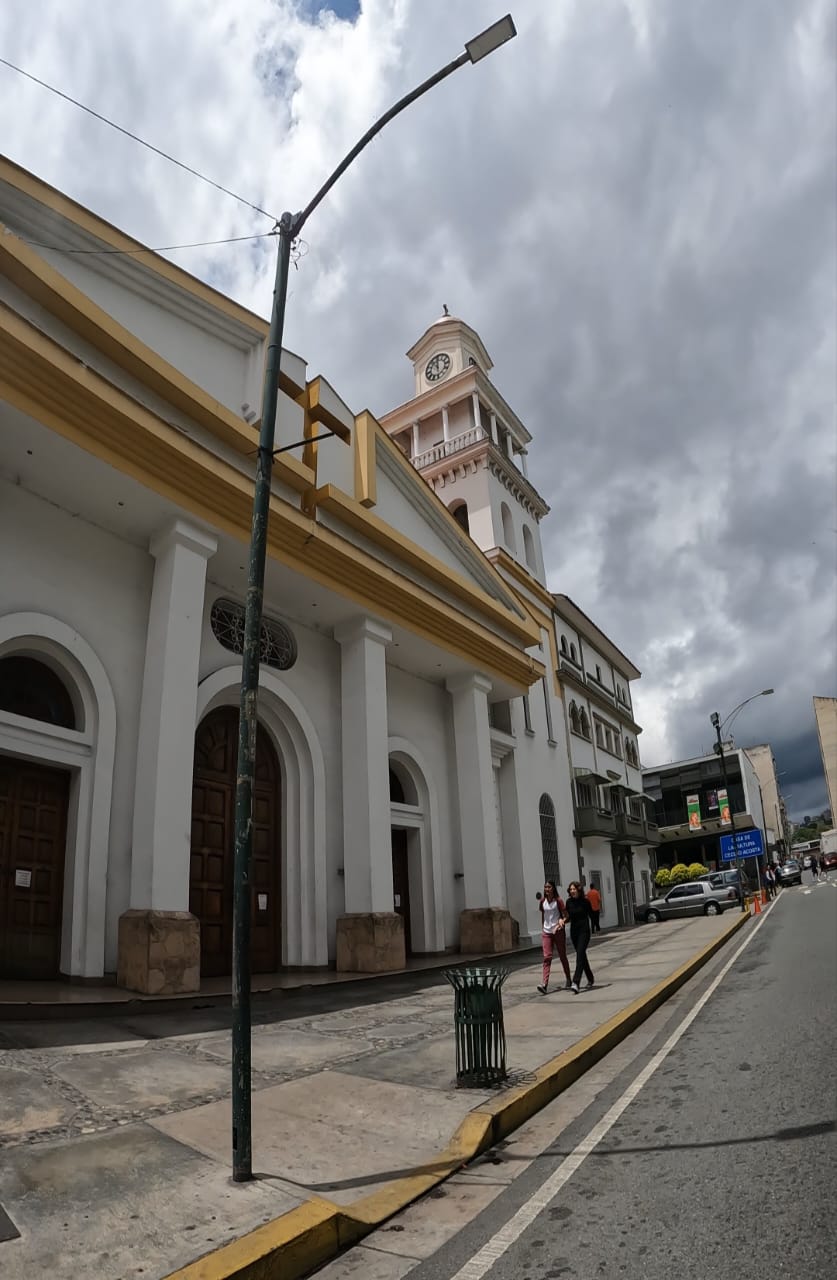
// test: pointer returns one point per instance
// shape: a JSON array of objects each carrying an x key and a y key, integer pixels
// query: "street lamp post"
[
  {"x": 719, "y": 748},
  {"x": 288, "y": 229}
]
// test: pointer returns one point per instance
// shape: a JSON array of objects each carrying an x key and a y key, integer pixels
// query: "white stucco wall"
[
  {"x": 420, "y": 714},
  {"x": 212, "y": 361},
  {"x": 57, "y": 564}
]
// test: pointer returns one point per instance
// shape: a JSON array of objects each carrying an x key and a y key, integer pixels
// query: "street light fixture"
[
  {"x": 727, "y": 722},
  {"x": 288, "y": 229},
  {"x": 718, "y": 725}
]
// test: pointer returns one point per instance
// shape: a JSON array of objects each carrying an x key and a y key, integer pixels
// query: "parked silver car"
[
  {"x": 790, "y": 872},
  {"x": 695, "y": 898}
]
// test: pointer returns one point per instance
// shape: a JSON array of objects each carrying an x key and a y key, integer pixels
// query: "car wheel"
[
  {"x": 652, "y": 917},
  {"x": 711, "y": 909}
]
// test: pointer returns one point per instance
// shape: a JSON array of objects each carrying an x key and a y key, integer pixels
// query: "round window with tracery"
[{"x": 277, "y": 647}]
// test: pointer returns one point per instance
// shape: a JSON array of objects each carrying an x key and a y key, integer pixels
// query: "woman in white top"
[{"x": 553, "y": 914}]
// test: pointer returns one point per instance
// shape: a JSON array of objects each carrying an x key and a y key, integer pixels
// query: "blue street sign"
[{"x": 750, "y": 845}]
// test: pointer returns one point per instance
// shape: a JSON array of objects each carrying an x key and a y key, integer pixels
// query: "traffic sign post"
[{"x": 750, "y": 845}]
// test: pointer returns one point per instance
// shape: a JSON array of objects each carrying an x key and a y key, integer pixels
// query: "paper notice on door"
[
  {"x": 23, "y": 878},
  {"x": 398, "y": 899},
  {"x": 262, "y": 899}
]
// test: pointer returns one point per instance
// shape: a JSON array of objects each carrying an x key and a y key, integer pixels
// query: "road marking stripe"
[{"x": 494, "y": 1248}]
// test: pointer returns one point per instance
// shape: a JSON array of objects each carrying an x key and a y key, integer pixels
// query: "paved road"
[{"x": 723, "y": 1164}]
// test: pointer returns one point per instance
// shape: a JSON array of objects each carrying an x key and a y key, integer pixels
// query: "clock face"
[{"x": 437, "y": 367}]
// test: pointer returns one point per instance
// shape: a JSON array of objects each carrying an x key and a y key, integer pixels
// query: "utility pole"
[{"x": 288, "y": 229}]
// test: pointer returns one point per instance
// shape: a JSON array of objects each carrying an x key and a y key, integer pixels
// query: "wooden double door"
[
  {"x": 34, "y": 800},
  {"x": 211, "y": 862}
]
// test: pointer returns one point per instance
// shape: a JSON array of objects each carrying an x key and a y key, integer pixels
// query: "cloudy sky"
[{"x": 633, "y": 203}]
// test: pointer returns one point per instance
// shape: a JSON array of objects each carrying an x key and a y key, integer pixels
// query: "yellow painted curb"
[{"x": 292, "y": 1245}]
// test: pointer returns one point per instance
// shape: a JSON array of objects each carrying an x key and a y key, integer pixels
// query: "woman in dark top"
[{"x": 580, "y": 916}]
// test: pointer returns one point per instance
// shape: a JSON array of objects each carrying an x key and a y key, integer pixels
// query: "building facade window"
[
  {"x": 549, "y": 839},
  {"x": 585, "y": 795},
  {"x": 575, "y": 719},
  {"x": 527, "y": 714},
  {"x": 32, "y": 689},
  {"x": 565, "y": 648},
  {"x": 529, "y": 549},
  {"x": 573, "y": 653},
  {"x": 508, "y": 527},
  {"x": 277, "y": 643},
  {"x": 584, "y": 722},
  {"x": 599, "y": 735},
  {"x": 460, "y": 515}
]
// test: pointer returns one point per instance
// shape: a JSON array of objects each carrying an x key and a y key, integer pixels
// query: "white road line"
[{"x": 493, "y": 1249}]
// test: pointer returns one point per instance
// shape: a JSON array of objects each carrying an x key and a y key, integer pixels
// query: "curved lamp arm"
[{"x": 726, "y": 722}]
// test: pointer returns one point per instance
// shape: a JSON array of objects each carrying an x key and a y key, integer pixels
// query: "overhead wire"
[
  {"x": 135, "y": 137},
  {"x": 163, "y": 248}
]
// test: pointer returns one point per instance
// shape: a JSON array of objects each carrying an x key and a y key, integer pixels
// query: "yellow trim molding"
[
  {"x": 36, "y": 189},
  {"x": 45, "y": 381},
  {"x": 371, "y": 526},
  {"x": 46, "y": 286},
  {"x": 366, "y": 486}
]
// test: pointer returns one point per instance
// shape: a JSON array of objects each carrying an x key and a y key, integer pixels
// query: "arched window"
[
  {"x": 396, "y": 790},
  {"x": 584, "y": 723},
  {"x": 278, "y": 643},
  {"x": 564, "y": 646},
  {"x": 573, "y": 653},
  {"x": 508, "y": 527},
  {"x": 549, "y": 839},
  {"x": 529, "y": 549},
  {"x": 575, "y": 721},
  {"x": 31, "y": 688},
  {"x": 459, "y": 511}
]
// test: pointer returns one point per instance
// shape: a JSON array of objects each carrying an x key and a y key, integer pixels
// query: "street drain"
[{"x": 8, "y": 1230}]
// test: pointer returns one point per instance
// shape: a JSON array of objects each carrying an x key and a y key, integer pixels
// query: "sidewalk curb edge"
[{"x": 316, "y": 1231}]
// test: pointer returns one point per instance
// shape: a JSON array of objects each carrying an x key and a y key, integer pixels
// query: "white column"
[
  {"x": 509, "y": 445},
  {"x": 492, "y": 427},
  {"x": 415, "y": 439},
  {"x": 445, "y": 424},
  {"x": 166, "y": 744},
  {"x": 477, "y": 413},
  {"x": 367, "y": 836},
  {"x": 475, "y": 777},
  {"x": 523, "y": 464}
]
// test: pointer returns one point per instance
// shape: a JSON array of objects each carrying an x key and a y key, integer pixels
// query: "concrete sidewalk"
[{"x": 115, "y": 1136}]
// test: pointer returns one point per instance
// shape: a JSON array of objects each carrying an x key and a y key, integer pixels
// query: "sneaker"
[
  {"x": 568, "y": 986},
  {"x": 574, "y": 988},
  {"x": 589, "y": 986},
  {"x": 542, "y": 990}
]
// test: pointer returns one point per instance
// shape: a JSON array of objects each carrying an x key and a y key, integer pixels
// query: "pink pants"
[{"x": 554, "y": 943}]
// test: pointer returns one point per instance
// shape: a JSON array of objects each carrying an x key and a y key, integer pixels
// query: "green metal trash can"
[{"x": 478, "y": 1023}]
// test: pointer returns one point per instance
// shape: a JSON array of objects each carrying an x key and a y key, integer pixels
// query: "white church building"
[{"x": 413, "y": 770}]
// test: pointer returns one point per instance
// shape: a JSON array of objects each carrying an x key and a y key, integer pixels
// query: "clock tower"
[{"x": 468, "y": 443}]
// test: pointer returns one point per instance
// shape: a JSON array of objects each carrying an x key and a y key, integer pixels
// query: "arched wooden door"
[
  {"x": 33, "y": 836},
  {"x": 211, "y": 864}
]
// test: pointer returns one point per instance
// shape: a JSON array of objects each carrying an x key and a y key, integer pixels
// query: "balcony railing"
[
  {"x": 630, "y": 830},
  {"x": 446, "y": 448},
  {"x": 590, "y": 821}
]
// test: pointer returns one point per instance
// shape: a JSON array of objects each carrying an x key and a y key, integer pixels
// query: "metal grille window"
[
  {"x": 277, "y": 646},
  {"x": 549, "y": 839}
]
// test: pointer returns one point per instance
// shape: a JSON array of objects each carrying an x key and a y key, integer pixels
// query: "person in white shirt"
[{"x": 553, "y": 914}]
